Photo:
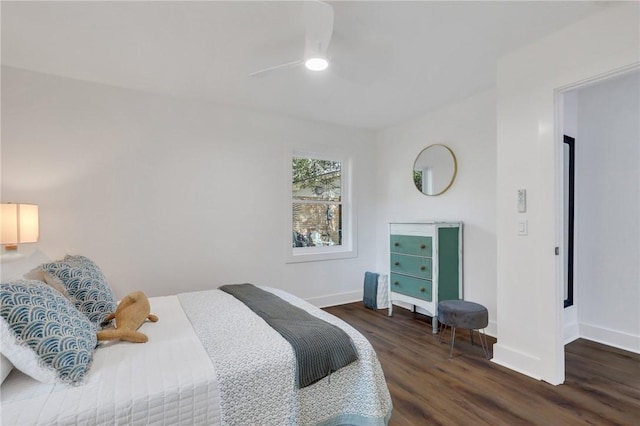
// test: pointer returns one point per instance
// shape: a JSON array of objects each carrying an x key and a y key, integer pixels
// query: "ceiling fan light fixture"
[{"x": 316, "y": 63}]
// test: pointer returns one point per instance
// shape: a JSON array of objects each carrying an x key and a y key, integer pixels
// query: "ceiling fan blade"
[
  {"x": 319, "y": 27},
  {"x": 265, "y": 71}
]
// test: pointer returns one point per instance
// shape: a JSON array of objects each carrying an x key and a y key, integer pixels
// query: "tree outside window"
[{"x": 317, "y": 202}]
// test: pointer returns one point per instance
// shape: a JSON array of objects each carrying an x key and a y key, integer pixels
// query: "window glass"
[
  {"x": 316, "y": 202},
  {"x": 315, "y": 179},
  {"x": 320, "y": 218},
  {"x": 316, "y": 225}
]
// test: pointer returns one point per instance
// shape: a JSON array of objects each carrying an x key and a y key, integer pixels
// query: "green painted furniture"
[{"x": 425, "y": 265}]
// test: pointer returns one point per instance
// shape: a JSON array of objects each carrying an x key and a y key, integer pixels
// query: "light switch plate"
[{"x": 522, "y": 200}]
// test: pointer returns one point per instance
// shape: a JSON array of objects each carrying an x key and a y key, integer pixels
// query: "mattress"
[{"x": 168, "y": 380}]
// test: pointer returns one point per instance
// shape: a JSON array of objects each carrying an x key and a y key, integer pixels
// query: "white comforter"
[
  {"x": 203, "y": 367},
  {"x": 256, "y": 369},
  {"x": 168, "y": 380}
]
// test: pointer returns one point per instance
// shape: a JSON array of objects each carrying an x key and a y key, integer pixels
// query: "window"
[{"x": 320, "y": 221}]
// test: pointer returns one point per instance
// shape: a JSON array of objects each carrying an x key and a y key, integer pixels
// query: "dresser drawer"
[
  {"x": 411, "y": 244},
  {"x": 411, "y": 286},
  {"x": 411, "y": 265}
]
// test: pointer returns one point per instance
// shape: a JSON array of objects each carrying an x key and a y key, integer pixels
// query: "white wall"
[
  {"x": 171, "y": 195},
  {"x": 608, "y": 212},
  {"x": 529, "y": 274},
  {"x": 468, "y": 128}
]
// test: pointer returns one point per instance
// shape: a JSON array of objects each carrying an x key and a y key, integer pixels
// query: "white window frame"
[{"x": 349, "y": 237}]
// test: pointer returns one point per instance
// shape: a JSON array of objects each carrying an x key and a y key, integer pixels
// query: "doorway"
[{"x": 600, "y": 157}]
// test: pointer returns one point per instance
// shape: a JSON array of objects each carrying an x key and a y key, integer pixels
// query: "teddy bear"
[{"x": 131, "y": 313}]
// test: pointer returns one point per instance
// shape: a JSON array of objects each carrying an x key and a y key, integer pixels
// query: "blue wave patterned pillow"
[
  {"x": 86, "y": 286},
  {"x": 36, "y": 319}
]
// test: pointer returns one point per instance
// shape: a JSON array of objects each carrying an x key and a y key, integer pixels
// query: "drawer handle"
[
  {"x": 423, "y": 246},
  {"x": 396, "y": 283},
  {"x": 396, "y": 244},
  {"x": 422, "y": 267},
  {"x": 396, "y": 263},
  {"x": 422, "y": 289}
]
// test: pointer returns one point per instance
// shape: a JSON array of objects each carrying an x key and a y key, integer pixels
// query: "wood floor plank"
[{"x": 602, "y": 385}]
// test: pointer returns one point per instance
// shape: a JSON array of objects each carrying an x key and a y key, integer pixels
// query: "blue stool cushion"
[{"x": 463, "y": 314}]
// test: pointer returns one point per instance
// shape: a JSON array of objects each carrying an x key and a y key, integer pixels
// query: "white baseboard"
[
  {"x": 617, "y": 339},
  {"x": 492, "y": 329},
  {"x": 336, "y": 299},
  {"x": 516, "y": 360},
  {"x": 571, "y": 333}
]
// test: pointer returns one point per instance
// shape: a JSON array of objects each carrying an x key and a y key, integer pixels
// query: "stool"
[{"x": 463, "y": 314}]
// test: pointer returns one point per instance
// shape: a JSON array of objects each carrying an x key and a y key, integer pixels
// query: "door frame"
[{"x": 559, "y": 133}]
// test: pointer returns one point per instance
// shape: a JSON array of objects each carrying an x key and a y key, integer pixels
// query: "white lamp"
[{"x": 19, "y": 225}]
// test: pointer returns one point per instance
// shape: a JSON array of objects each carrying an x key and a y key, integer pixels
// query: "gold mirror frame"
[{"x": 417, "y": 174}]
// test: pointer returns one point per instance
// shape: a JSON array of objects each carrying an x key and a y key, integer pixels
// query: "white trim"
[
  {"x": 336, "y": 299},
  {"x": 606, "y": 336},
  {"x": 566, "y": 335},
  {"x": 559, "y": 228},
  {"x": 599, "y": 78},
  {"x": 571, "y": 333},
  {"x": 514, "y": 359},
  {"x": 570, "y": 321}
]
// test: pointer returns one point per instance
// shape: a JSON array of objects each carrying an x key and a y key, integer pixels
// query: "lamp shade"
[{"x": 19, "y": 223}]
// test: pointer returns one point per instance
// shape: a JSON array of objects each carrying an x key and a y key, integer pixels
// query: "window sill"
[{"x": 318, "y": 254}]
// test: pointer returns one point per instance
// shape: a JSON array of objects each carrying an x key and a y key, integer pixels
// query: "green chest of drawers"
[{"x": 425, "y": 264}]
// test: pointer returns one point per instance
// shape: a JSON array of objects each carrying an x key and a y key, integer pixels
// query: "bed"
[{"x": 210, "y": 360}]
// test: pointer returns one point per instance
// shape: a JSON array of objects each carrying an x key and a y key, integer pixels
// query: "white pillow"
[
  {"x": 27, "y": 360},
  {"x": 5, "y": 368},
  {"x": 12, "y": 271},
  {"x": 43, "y": 334}
]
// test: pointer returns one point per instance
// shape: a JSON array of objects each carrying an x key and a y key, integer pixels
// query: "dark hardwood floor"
[{"x": 602, "y": 385}]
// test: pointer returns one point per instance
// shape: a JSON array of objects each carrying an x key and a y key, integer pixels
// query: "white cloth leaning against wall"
[{"x": 383, "y": 292}]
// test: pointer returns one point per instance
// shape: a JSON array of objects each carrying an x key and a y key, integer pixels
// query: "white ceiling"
[{"x": 391, "y": 61}]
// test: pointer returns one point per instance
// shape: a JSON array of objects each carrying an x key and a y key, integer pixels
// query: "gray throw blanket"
[
  {"x": 370, "y": 298},
  {"x": 320, "y": 348}
]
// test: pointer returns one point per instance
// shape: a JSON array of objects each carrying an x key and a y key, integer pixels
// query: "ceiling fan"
[{"x": 318, "y": 17}]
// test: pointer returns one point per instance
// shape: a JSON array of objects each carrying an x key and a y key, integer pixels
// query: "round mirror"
[{"x": 435, "y": 169}]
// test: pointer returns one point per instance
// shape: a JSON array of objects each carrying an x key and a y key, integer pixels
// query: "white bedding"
[
  {"x": 172, "y": 380},
  {"x": 257, "y": 368},
  {"x": 168, "y": 380}
]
